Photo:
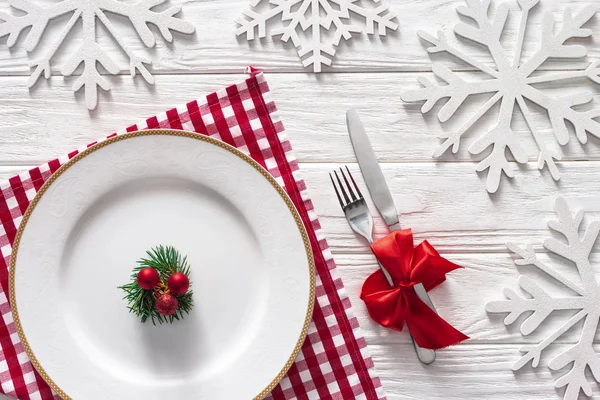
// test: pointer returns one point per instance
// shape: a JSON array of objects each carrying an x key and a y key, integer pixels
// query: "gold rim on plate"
[{"x": 169, "y": 132}]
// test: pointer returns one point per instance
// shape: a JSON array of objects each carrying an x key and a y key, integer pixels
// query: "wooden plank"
[
  {"x": 466, "y": 372},
  {"x": 34, "y": 128},
  {"x": 446, "y": 203},
  {"x": 215, "y": 48}
]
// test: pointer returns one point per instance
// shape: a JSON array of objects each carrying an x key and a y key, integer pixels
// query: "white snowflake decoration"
[
  {"x": 585, "y": 301},
  {"x": 314, "y": 18},
  {"x": 91, "y": 13},
  {"x": 511, "y": 82}
]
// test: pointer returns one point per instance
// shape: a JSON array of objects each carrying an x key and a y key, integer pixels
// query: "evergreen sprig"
[{"x": 167, "y": 261}]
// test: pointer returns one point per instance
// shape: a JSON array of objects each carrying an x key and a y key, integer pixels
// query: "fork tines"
[{"x": 345, "y": 189}]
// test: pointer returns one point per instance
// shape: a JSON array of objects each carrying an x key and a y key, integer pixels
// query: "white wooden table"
[{"x": 443, "y": 201}]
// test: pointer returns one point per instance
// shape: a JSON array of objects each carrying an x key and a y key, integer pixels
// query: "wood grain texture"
[
  {"x": 214, "y": 48},
  {"x": 465, "y": 372},
  {"x": 444, "y": 204},
  {"x": 312, "y": 107},
  {"x": 444, "y": 201}
]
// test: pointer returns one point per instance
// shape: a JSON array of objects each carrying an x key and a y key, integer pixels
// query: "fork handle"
[{"x": 426, "y": 356}]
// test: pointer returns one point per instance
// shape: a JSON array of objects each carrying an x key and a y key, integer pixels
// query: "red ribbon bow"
[{"x": 392, "y": 306}]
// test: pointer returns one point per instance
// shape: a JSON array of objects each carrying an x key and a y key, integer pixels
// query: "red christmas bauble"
[
  {"x": 166, "y": 304},
  {"x": 148, "y": 278},
  {"x": 178, "y": 283}
]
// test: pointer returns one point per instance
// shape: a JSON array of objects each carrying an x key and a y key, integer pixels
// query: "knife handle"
[{"x": 426, "y": 356}]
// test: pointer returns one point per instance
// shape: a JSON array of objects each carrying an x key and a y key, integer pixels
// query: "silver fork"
[{"x": 361, "y": 221}]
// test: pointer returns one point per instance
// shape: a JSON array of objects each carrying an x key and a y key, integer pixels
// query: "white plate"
[{"x": 252, "y": 272}]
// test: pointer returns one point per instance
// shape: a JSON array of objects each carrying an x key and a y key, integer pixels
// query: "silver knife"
[{"x": 382, "y": 198}]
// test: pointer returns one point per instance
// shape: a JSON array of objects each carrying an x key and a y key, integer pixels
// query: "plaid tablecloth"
[{"x": 334, "y": 362}]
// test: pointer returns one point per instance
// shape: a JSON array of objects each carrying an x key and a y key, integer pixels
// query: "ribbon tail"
[
  {"x": 428, "y": 329},
  {"x": 430, "y": 268}
]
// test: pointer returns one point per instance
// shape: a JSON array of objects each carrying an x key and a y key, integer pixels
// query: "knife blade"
[
  {"x": 371, "y": 171},
  {"x": 382, "y": 198}
]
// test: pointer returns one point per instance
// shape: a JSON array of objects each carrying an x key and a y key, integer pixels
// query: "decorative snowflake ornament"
[
  {"x": 90, "y": 54},
  {"x": 584, "y": 301},
  {"x": 307, "y": 21},
  {"x": 511, "y": 82}
]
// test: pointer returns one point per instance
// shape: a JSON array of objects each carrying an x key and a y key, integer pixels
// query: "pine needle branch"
[{"x": 167, "y": 261}]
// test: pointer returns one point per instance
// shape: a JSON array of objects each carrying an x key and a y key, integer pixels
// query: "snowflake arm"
[
  {"x": 533, "y": 354},
  {"x": 457, "y": 90},
  {"x": 553, "y": 44},
  {"x": 515, "y": 82},
  {"x": 453, "y": 139},
  {"x": 296, "y": 19},
  {"x": 501, "y": 137},
  {"x": 35, "y": 17},
  {"x": 576, "y": 248},
  {"x": 141, "y": 15},
  {"x": 317, "y": 49},
  {"x": 526, "y": 6},
  {"x": 546, "y": 157},
  {"x": 89, "y": 53},
  {"x": 592, "y": 72},
  {"x": 540, "y": 303},
  {"x": 342, "y": 30},
  {"x": 135, "y": 62},
  {"x": 561, "y": 110},
  {"x": 441, "y": 45},
  {"x": 251, "y": 22},
  {"x": 289, "y": 32},
  {"x": 487, "y": 31},
  {"x": 43, "y": 65},
  {"x": 582, "y": 355},
  {"x": 529, "y": 258},
  {"x": 380, "y": 16},
  {"x": 312, "y": 17}
]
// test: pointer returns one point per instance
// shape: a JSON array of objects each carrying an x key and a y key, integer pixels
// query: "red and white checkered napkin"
[{"x": 334, "y": 362}]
